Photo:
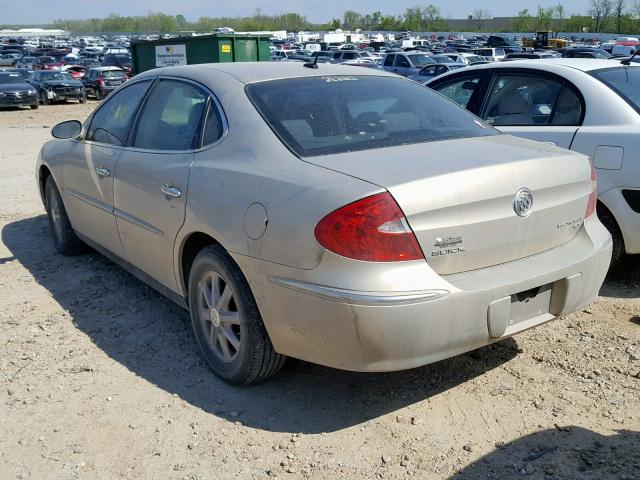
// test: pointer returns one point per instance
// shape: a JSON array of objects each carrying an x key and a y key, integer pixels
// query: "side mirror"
[{"x": 68, "y": 129}]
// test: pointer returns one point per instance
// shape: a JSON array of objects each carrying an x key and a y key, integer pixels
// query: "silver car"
[{"x": 350, "y": 218}]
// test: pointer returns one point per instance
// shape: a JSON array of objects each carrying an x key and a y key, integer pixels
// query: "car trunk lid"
[{"x": 458, "y": 196}]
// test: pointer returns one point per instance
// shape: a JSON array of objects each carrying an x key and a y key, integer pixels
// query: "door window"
[
  {"x": 388, "y": 60},
  {"x": 460, "y": 90},
  {"x": 428, "y": 72},
  {"x": 112, "y": 121},
  {"x": 171, "y": 117},
  {"x": 531, "y": 100},
  {"x": 401, "y": 61}
]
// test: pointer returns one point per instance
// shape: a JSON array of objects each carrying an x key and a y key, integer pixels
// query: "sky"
[{"x": 318, "y": 11}]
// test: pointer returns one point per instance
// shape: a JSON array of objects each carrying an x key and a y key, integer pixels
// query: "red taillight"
[
  {"x": 593, "y": 196},
  {"x": 372, "y": 229},
  {"x": 100, "y": 81}
]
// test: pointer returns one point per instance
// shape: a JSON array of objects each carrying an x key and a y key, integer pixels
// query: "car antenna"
[
  {"x": 313, "y": 64},
  {"x": 627, "y": 61}
]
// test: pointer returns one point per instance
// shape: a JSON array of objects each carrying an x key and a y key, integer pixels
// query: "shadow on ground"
[
  {"x": 151, "y": 337},
  {"x": 571, "y": 453},
  {"x": 624, "y": 280}
]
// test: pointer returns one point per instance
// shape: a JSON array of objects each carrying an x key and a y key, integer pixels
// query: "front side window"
[
  {"x": 388, "y": 60},
  {"x": 336, "y": 114},
  {"x": 112, "y": 121},
  {"x": 428, "y": 72},
  {"x": 460, "y": 90},
  {"x": 531, "y": 100},
  {"x": 171, "y": 117}
]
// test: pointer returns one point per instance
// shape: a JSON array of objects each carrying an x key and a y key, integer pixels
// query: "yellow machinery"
[{"x": 544, "y": 40}]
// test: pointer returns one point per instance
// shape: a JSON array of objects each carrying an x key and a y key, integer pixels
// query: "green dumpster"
[{"x": 214, "y": 48}]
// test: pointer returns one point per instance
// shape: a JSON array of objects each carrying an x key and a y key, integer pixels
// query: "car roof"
[
  {"x": 249, "y": 72},
  {"x": 551, "y": 64}
]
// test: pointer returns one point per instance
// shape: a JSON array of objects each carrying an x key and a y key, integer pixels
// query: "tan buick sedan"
[{"x": 339, "y": 215}]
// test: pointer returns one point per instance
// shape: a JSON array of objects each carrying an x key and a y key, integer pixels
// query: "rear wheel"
[
  {"x": 99, "y": 95},
  {"x": 226, "y": 321},
  {"x": 43, "y": 98},
  {"x": 609, "y": 221},
  {"x": 64, "y": 238},
  {"x": 34, "y": 107}
]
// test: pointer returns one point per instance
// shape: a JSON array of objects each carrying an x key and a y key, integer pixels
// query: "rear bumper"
[{"x": 389, "y": 317}]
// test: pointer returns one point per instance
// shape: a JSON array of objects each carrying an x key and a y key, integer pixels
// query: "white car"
[
  {"x": 586, "y": 105},
  {"x": 467, "y": 58}
]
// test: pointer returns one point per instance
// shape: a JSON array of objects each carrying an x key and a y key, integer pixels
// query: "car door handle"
[
  {"x": 171, "y": 191},
  {"x": 103, "y": 172}
]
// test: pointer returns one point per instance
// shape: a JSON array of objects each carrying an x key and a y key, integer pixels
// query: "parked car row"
[{"x": 21, "y": 88}]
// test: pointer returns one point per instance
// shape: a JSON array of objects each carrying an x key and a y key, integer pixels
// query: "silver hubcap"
[{"x": 219, "y": 317}]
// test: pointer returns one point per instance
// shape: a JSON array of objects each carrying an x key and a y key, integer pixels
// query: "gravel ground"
[{"x": 100, "y": 379}]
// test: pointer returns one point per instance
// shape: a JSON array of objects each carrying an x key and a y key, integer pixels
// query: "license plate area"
[{"x": 519, "y": 311}]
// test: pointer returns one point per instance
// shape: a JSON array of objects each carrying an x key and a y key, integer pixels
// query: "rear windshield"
[
  {"x": 113, "y": 74},
  {"x": 625, "y": 81},
  {"x": 336, "y": 114}
]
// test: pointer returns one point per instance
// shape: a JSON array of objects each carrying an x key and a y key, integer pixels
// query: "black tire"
[
  {"x": 64, "y": 238},
  {"x": 255, "y": 358},
  {"x": 34, "y": 107},
  {"x": 43, "y": 98},
  {"x": 609, "y": 221},
  {"x": 83, "y": 98},
  {"x": 99, "y": 95}
]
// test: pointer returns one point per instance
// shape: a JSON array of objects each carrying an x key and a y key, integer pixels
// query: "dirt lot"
[{"x": 100, "y": 379}]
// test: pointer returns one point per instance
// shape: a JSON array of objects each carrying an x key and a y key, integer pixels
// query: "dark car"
[
  {"x": 529, "y": 56},
  {"x": 582, "y": 52},
  {"x": 57, "y": 86},
  {"x": 16, "y": 92},
  {"x": 509, "y": 46},
  {"x": 46, "y": 63},
  {"x": 88, "y": 62},
  {"x": 120, "y": 60},
  {"x": 101, "y": 81}
]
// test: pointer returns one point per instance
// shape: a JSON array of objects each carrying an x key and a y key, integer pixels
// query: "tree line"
[{"x": 614, "y": 16}]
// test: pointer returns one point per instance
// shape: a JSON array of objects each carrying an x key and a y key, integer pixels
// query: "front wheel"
[
  {"x": 226, "y": 321},
  {"x": 64, "y": 238},
  {"x": 43, "y": 98}
]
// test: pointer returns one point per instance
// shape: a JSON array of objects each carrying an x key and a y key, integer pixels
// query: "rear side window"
[
  {"x": 388, "y": 60},
  {"x": 336, "y": 114},
  {"x": 112, "y": 121},
  {"x": 171, "y": 117},
  {"x": 213, "y": 128},
  {"x": 531, "y": 100}
]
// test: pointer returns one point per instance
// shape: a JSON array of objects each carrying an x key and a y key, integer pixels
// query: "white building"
[{"x": 33, "y": 33}]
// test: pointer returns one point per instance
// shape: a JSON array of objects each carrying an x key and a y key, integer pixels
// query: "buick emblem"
[{"x": 523, "y": 202}]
